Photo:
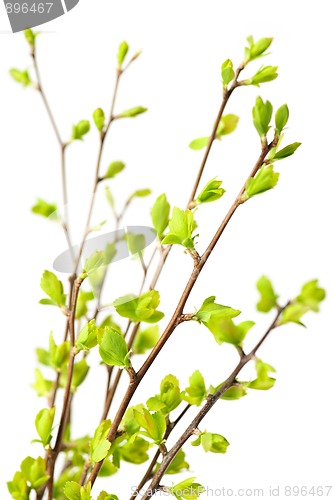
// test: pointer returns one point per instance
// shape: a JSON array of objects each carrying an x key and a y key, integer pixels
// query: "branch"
[
  {"x": 211, "y": 400},
  {"x": 176, "y": 318}
]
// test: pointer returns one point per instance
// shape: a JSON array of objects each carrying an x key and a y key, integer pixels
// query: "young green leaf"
[
  {"x": 53, "y": 288},
  {"x": 93, "y": 263},
  {"x": 99, "y": 119},
  {"x": 217, "y": 318},
  {"x": 153, "y": 423},
  {"x": 227, "y": 72},
  {"x": 34, "y": 472},
  {"x": 133, "y": 112},
  {"x": 81, "y": 369},
  {"x": 73, "y": 491},
  {"x": 135, "y": 451},
  {"x": 264, "y": 381},
  {"x": 211, "y": 192},
  {"x": 142, "y": 308},
  {"x": 31, "y": 36},
  {"x": 113, "y": 169},
  {"x": 82, "y": 303},
  {"x": 18, "y": 487},
  {"x": 122, "y": 52},
  {"x": 140, "y": 193},
  {"x": 87, "y": 338},
  {"x": 214, "y": 443},
  {"x": 106, "y": 496},
  {"x": 178, "y": 464},
  {"x": 169, "y": 397},
  {"x": 59, "y": 354},
  {"x": 22, "y": 77},
  {"x": 235, "y": 392},
  {"x": 287, "y": 151},
  {"x": 256, "y": 49},
  {"x": 113, "y": 348},
  {"x": 264, "y": 180},
  {"x": 99, "y": 446},
  {"x": 210, "y": 310},
  {"x": 145, "y": 340},
  {"x": 281, "y": 118},
  {"x": 44, "y": 423},
  {"x": 311, "y": 295},
  {"x": 160, "y": 213},
  {"x": 187, "y": 489},
  {"x": 196, "y": 392},
  {"x": 181, "y": 227},
  {"x": 136, "y": 243},
  {"x": 268, "y": 298},
  {"x": 45, "y": 209},
  {"x": 200, "y": 143},
  {"x": 227, "y": 125},
  {"x": 262, "y": 114},
  {"x": 42, "y": 386},
  {"x": 263, "y": 75},
  {"x": 225, "y": 330},
  {"x": 80, "y": 129}
]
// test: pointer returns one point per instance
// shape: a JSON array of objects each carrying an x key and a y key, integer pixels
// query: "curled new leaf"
[
  {"x": 264, "y": 381},
  {"x": 45, "y": 209},
  {"x": 160, "y": 213},
  {"x": 22, "y": 77},
  {"x": 262, "y": 114},
  {"x": 100, "y": 445},
  {"x": 99, "y": 118},
  {"x": 211, "y": 192},
  {"x": 281, "y": 118},
  {"x": 196, "y": 392},
  {"x": 74, "y": 491},
  {"x": 169, "y": 397},
  {"x": 87, "y": 338},
  {"x": 142, "y": 308},
  {"x": 181, "y": 226},
  {"x": 227, "y": 125},
  {"x": 227, "y": 72},
  {"x": 34, "y": 472},
  {"x": 256, "y": 49},
  {"x": 133, "y": 112},
  {"x": 214, "y": 443},
  {"x": 113, "y": 348},
  {"x": 263, "y": 75},
  {"x": 31, "y": 36},
  {"x": 187, "y": 489},
  {"x": 153, "y": 423},
  {"x": 122, "y": 52},
  {"x": 44, "y": 423},
  {"x": 80, "y": 129},
  {"x": 113, "y": 169},
  {"x": 268, "y": 298},
  {"x": 264, "y": 180},
  {"x": 53, "y": 288},
  {"x": 287, "y": 151}
]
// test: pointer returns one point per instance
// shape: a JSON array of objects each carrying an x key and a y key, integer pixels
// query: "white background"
[{"x": 284, "y": 436}]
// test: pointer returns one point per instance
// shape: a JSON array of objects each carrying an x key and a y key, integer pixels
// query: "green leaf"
[
  {"x": 133, "y": 112},
  {"x": 181, "y": 227},
  {"x": 80, "y": 129},
  {"x": 210, "y": 310},
  {"x": 311, "y": 295},
  {"x": 113, "y": 169},
  {"x": 225, "y": 330},
  {"x": 92, "y": 263},
  {"x": 200, "y": 143},
  {"x": 42, "y": 386},
  {"x": 268, "y": 297},
  {"x": 100, "y": 445},
  {"x": 73, "y": 491},
  {"x": 122, "y": 52},
  {"x": 264, "y": 180},
  {"x": 153, "y": 423},
  {"x": 211, "y": 192},
  {"x": 141, "y": 193},
  {"x": 99, "y": 119},
  {"x": 53, "y": 288},
  {"x": 87, "y": 338},
  {"x": 227, "y": 125},
  {"x": 34, "y": 471},
  {"x": 160, "y": 214},
  {"x": 45, "y": 209},
  {"x": 281, "y": 118},
  {"x": 142, "y": 308},
  {"x": 169, "y": 397},
  {"x": 234, "y": 392},
  {"x": 196, "y": 392},
  {"x": 44, "y": 423},
  {"x": 145, "y": 340},
  {"x": 22, "y": 77},
  {"x": 59, "y": 354},
  {"x": 227, "y": 72},
  {"x": 18, "y": 487},
  {"x": 136, "y": 243},
  {"x": 109, "y": 197},
  {"x": 129, "y": 423},
  {"x": 214, "y": 443},
  {"x": 113, "y": 348},
  {"x": 263, "y": 75},
  {"x": 135, "y": 451},
  {"x": 287, "y": 151},
  {"x": 256, "y": 49},
  {"x": 178, "y": 464},
  {"x": 187, "y": 489},
  {"x": 262, "y": 114},
  {"x": 31, "y": 36},
  {"x": 81, "y": 369},
  {"x": 106, "y": 496},
  {"x": 264, "y": 381},
  {"x": 43, "y": 356}
]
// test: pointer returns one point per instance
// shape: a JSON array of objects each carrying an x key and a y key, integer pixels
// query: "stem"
[
  {"x": 211, "y": 400},
  {"x": 177, "y": 316}
]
